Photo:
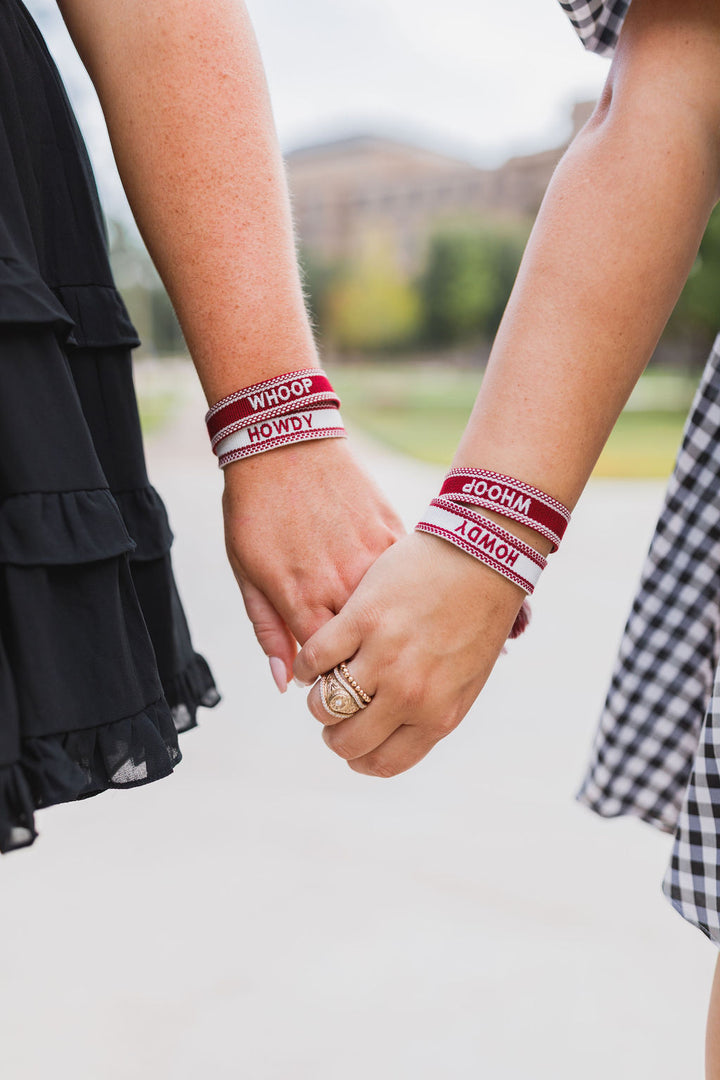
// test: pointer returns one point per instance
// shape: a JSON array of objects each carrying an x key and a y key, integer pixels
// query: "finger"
[
  {"x": 355, "y": 736},
  {"x": 364, "y": 673},
  {"x": 334, "y": 642},
  {"x": 398, "y": 753},
  {"x": 360, "y": 734},
  {"x": 272, "y": 632},
  {"x": 305, "y": 620}
]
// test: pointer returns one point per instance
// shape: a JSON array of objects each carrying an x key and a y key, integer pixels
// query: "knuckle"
[
  {"x": 444, "y": 724},
  {"x": 339, "y": 744},
  {"x": 413, "y": 697},
  {"x": 382, "y": 768},
  {"x": 371, "y": 619},
  {"x": 315, "y": 707},
  {"x": 310, "y": 658}
]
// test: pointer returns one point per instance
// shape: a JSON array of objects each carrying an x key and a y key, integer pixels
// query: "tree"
[
  {"x": 371, "y": 306},
  {"x": 467, "y": 281},
  {"x": 143, "y": 292},
  {"x": 697, "y": 313}
]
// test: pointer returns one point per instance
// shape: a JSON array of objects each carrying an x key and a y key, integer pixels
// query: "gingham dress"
[
  {"x": 656, "y": 753},
  {"x": 598, "y": 24}
]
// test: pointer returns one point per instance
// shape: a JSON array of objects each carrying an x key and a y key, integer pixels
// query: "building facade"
[{"x": 372, "y": 192}]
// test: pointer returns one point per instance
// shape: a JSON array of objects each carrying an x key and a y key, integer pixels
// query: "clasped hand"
[{"x": 321, "y": 560}]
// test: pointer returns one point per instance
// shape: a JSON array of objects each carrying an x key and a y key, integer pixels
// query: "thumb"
[
  {"x": 272, "y": 633},
  {"x": 335, "y": 641}
]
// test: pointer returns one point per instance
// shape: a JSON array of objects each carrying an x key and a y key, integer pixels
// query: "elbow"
[
  {"x": 601, "y": 113},
  {"x": 677, "y": 128}
]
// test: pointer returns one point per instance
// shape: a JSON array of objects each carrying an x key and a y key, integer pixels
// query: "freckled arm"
[
  {"x": 182, "y": 87},
  {"x": 611, "y": 249}
]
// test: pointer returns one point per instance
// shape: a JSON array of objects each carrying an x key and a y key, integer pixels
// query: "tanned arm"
[{"x": 182, "y": 87}]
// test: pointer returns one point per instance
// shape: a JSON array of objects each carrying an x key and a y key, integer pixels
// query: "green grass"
[
  {"x": 642, "y": 445},
  {"x": 156, "y": 410},
  {"x": 421, "y": 410}
]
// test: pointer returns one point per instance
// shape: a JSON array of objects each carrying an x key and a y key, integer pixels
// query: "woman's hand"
[
  {"x": 302, "y": 525},
  {"x": 421, "y": 633}
]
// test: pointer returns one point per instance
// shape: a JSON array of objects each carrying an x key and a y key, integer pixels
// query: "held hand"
[
  {"x": 421, "y": 634},
  {"x": 302, "y": 526}
]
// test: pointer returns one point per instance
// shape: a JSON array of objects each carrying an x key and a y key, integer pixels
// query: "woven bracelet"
[
  {"x": 294, "y": 407},
  {"x": 511, "y": 498},
  {"x": 485, "y": 541}
]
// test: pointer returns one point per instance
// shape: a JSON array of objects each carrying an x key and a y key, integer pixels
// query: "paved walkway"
[{"x": 266, "y": 914}]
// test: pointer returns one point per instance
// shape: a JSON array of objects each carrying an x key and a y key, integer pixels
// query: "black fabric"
[{"x": 97, "y": 669}]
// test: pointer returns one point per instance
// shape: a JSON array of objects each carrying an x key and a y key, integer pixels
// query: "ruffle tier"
[
  {"x": 74, "y": 765},
  {"x": 126, "y": 753},
  {"x": 70, "y": 533},
  {"x": 97, "y": 669},
  {"x": 87, "y": 316}
]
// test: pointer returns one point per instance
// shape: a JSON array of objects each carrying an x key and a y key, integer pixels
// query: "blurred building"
[{"x": 370, "y": 190}]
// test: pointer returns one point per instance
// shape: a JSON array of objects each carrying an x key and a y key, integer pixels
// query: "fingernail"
[
  {"x": 300, "y": 683},
  {"x": 279, "y": 673}
]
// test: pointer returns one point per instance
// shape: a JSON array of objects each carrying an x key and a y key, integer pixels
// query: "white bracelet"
[
  {"x": 485, "y": 541},
  {"x": 280, "y": 431}
]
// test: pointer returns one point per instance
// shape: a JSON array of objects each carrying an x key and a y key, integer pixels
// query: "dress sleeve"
[{"x": 597, "y": 22}]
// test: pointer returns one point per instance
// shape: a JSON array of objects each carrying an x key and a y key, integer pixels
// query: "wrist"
[
  {"x": 490, "y": 592},
  {"x": 285, "y": 463}
]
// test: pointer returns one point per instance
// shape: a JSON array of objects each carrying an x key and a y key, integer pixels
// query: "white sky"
[{"x": 479, "y": 78}]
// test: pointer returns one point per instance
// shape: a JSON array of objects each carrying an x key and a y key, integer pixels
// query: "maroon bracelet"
[
  {"x": 280, "y": 396},
  {"x": 512, "y": 498}
]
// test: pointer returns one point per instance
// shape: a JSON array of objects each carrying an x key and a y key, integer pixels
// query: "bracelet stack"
[
  {"x": 511, "y": 498},
  {"x": 295, "y": 407},
  {"x": 482, "y": 538}
]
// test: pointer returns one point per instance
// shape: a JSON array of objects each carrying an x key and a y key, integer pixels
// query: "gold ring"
[
  {"x": 340, "y": 694},
  {"x": 367, "y": 698}
]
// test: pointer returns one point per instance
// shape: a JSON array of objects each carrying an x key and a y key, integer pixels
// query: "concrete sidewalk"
[{"x": 266, "y": 914}]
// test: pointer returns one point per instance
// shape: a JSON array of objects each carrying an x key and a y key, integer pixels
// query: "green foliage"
[
  {"x": 467, "y": 281},
  {"x": 143, "y": 292},
  {"x": 318, "y": 279},
  {"x": 421, "y": 410},
  {"x": 166, "y": 333},
  {"x": 697, "y": 314},
  {"x": 372, "y": 307}
]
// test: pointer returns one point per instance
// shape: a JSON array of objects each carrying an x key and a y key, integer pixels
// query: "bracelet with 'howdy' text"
[
  {"x": 485, "y": 541},
  {"x": 280, "y": 431},
  {"x": 512, "y": 498},
  {"x": 305, "y": 389}
]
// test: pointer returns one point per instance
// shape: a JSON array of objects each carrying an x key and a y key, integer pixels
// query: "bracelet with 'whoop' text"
[
  {"x": 294, "y": 407},
  {"x": 284, "y": 394},
  {"x": 511, "y": 498}
]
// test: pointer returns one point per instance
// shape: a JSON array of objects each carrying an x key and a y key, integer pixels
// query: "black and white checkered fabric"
[
  {"x": 657, "y": 749},
  {"x": 598, "y": 22}
]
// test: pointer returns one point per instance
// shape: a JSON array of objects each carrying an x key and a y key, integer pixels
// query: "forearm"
[
  {"x": 611, "y": 249},
  {"x": 184, "y": 95}
]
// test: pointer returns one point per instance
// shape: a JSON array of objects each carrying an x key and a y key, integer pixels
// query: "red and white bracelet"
[
  {"x": 485, "y": 541},
  {"x": 512, "y": 498},
  {"x": 305, "y": 389},
  {"x": 268, "y": 435},
  {"x": 295, "y": 407}
]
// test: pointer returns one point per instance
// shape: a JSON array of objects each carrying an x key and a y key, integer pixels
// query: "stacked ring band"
[{"x": 340, "y": 694}]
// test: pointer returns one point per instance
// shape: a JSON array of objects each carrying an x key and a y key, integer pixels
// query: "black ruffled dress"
[{"x": 97, "y": 671}]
